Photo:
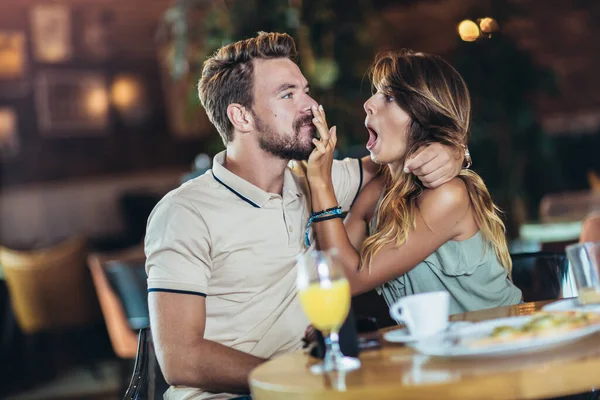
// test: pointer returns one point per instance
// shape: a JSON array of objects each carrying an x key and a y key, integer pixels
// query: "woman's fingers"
[
  {"x": 333, "y": 136},
  {"x": 321, "y": 123},
  {"x": 320, "y": 146}
]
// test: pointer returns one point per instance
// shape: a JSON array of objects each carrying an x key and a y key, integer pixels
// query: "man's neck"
[{"x": 258, "y": 167}]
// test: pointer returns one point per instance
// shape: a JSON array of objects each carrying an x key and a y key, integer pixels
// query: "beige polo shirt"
[{"x": 221, "y": 237}]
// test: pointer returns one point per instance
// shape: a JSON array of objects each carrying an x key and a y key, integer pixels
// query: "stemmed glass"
[{"x": 324, "y": 294}]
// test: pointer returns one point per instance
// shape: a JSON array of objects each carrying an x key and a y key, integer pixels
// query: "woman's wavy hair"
[{"x": 437, "y": 100}]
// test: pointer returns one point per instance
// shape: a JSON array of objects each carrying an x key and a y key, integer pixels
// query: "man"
[{"x": 221, "y": 248}]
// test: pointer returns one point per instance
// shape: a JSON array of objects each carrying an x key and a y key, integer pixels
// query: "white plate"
[
  {"x": 571, "y": 304},
  {"x": 403, "y": 336},
  {"x": 455, "y": 343}
]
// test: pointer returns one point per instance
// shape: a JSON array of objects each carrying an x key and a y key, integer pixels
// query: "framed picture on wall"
[
  {"x": 9, "y": 135},
  {"x": 51, "y": 32},
  {"x": 72, "y": 103},
  {"x": 13, "y": 64},
  {"x": 13, "y": 55}
]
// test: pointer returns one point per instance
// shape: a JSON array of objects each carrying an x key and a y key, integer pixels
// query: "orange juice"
[{"x": 326, "y": 306}]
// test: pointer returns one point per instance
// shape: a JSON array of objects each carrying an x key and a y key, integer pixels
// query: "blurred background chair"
[
  {"x": 540, "y": 275},
  {"x": 120, "y": 281},
  {"x": 147, "y": 381},
  {"x": 52, "y": 299}
]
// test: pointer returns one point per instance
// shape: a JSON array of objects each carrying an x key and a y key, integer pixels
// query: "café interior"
[{"x": 100, "y": 118}]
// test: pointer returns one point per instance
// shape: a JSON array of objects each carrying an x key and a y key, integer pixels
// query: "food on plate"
[{"x": 542, "y": 324}]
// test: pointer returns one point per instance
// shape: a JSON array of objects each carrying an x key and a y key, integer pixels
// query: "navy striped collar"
[{"x": 243, "y": 189}]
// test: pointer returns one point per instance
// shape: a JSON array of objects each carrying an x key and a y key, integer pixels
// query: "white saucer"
[
  {"x": 399, "y": 336},
  {"x": 403, "y": 336},
  {"x": 571, "y": 304}
]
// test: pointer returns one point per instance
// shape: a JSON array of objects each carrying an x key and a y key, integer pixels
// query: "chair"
[
  {"x": 541, "y": 275},
  {"x": 52, "y": 299},
  {"x": 147, "y": 381},
  {"x": 120, "y": 282},
  {"x": 50, "y": 289}
]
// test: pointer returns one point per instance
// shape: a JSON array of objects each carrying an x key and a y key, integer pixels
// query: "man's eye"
[
  {"x": 287, "y": 96},
  {"x": 390, "y": 98}
]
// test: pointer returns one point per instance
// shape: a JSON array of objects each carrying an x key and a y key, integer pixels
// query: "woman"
[
  {"x": 590, "y": 229},
  {"x": 401, "y": 237}
]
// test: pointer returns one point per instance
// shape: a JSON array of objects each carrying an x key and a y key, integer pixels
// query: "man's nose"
[{"x": 310, "y": 103}]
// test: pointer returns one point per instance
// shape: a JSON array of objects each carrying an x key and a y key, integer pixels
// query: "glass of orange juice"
[{"x": 324, "y": 296}]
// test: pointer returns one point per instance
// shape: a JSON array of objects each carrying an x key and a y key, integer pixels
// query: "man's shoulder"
[
  {"x": 194, "y": 193},
  {"x": 196, "y": 189}
]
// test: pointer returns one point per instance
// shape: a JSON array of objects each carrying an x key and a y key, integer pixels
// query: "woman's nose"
[{"x": 368, "y": 106}]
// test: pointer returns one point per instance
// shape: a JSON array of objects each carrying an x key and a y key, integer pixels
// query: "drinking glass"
[
  {"x": 585, "y": 262},
  {"x": 324, "y": 294}
]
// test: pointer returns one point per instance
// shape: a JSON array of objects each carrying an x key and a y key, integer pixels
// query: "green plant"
[{"x": 333, "y": 38}]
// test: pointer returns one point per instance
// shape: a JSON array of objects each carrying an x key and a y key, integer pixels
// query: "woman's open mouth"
[{"x": 372, "y": 138}]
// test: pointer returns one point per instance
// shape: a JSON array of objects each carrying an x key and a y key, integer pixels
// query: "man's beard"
[{"x": 286, "y": 147}]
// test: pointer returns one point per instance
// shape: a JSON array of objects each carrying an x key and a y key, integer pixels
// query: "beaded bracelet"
[
  {"x": 317, "y": 213},
  {"x": 324, "y": 215}
]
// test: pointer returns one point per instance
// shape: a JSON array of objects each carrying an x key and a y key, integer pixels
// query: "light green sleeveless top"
[{"x": 469, "y": 270}]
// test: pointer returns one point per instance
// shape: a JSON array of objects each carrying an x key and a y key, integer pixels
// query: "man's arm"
[
  {"x": 186, "y": 358},
  {"x": 434, "y": 165}
]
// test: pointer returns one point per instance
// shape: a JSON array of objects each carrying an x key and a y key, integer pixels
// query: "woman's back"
[{"x": 468, "y": 269}]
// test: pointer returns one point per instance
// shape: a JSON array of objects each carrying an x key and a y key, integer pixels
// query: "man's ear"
[{"x": 240, "y": 117}]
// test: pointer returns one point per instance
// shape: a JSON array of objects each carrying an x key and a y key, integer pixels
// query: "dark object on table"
[
  {"x": 372, "y": 304},
  {"x": 348, "y": 339}
]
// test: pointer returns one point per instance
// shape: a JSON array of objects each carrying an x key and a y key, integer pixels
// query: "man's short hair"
[{"x": 227, "y": 76}]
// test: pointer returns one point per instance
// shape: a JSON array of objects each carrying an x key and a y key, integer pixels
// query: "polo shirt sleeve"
[
  {"x": 347, "y": 176},
  {"x": 177, "y": 247}
]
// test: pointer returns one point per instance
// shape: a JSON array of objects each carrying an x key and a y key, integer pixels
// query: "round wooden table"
[{"x": 396, "y": 371}]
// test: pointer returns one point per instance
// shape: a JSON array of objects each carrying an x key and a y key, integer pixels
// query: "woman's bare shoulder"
[{"x": 446, "y": 200}]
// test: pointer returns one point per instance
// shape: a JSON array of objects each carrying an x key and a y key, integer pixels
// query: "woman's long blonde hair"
[{"x": 437, "y": 100}]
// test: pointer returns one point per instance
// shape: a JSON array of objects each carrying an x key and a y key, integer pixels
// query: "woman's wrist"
[
  {"x": 323, "y": 198},
  {"x": 320, "y": 184}
]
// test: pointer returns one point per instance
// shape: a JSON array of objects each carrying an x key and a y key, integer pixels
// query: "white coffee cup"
[{"x": 423, "y": 314}]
